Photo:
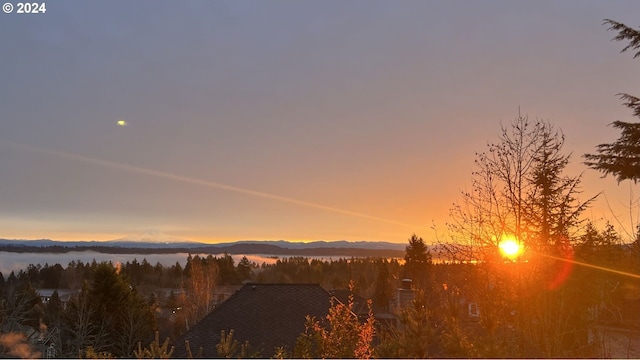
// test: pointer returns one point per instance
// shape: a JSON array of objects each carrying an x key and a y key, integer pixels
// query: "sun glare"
[{"x": 510, "y": 248}]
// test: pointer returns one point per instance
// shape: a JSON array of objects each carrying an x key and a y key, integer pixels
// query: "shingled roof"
[{"x": 266, "y": 315}]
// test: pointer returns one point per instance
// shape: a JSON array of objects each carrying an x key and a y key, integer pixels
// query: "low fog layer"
[{"x": 19, "y": 261}]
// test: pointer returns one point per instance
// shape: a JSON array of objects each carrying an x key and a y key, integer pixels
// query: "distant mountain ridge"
[
  {"x": 193, "y": 244},
  {"x": 162, "y": 240},
  {"x": 151, "y": 236},
  {"x": 323, "y": 244},
  {"x": 146, "y": 244}
]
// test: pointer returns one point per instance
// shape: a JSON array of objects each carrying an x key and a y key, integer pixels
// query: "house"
[
  {"x": 64, "y": 295},
  {"x": 266, "y": 315}
]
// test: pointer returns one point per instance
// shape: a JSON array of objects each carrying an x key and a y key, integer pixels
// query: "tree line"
[{"x": 118, "y": 307}]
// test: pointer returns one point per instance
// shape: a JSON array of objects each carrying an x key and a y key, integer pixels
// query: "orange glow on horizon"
[{"x": 64, "y": 236}]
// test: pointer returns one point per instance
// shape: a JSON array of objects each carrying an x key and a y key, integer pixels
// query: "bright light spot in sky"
[
  {"x": 122, "y": 123},
  {"x": 510, "y": 247}
]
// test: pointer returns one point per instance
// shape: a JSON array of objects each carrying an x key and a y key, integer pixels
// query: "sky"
[{"x": 295, "y": 120}]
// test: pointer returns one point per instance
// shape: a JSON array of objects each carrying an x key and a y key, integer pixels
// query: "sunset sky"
[{"x": 295, "y": 120}]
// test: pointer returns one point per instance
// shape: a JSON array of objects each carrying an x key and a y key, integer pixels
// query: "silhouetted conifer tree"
[
  {"x": 622, "y": 157},
  {"x": 417, "y": 266}
]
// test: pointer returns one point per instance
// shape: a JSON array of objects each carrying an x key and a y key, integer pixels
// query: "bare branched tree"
[
  {"x": 520, "y": 191},
  {"x": 497, "y": 203}
]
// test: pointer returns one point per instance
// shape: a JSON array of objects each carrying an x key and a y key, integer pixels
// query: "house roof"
[{"x": 266, "y": 315}]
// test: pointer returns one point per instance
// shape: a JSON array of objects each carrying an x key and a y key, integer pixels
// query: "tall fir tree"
[{"x": 622, "y": 157}]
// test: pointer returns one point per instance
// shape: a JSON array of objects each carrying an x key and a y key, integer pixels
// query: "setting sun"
[{"x": 509, "y": 247}]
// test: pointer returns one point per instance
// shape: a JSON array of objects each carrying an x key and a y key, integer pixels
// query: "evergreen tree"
[
  {"x": 23, "y": 307},
  {"x": 3, "y": 287},
  {"x": 53, "y": 319},
  {"x": 78, "y": 331},
  {"x": 552, "y": 206},
  {"x": 244, "y": 269},
  {"x": 53, "y": 311},
  {"x": 12, "y": 281},
  {"x": 177, "y": 274},
  {"x": 622, "y": 157},
  {"x": 108, "y": 315},
  {"x": 383, "y": 291},
  {"x": 417, "y": 259},
  {"x": 227, "y": 271},
  {"x": 51, "y": 276}
]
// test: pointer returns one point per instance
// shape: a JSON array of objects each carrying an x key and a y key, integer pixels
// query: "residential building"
[{"x": 268, "y": 316}]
